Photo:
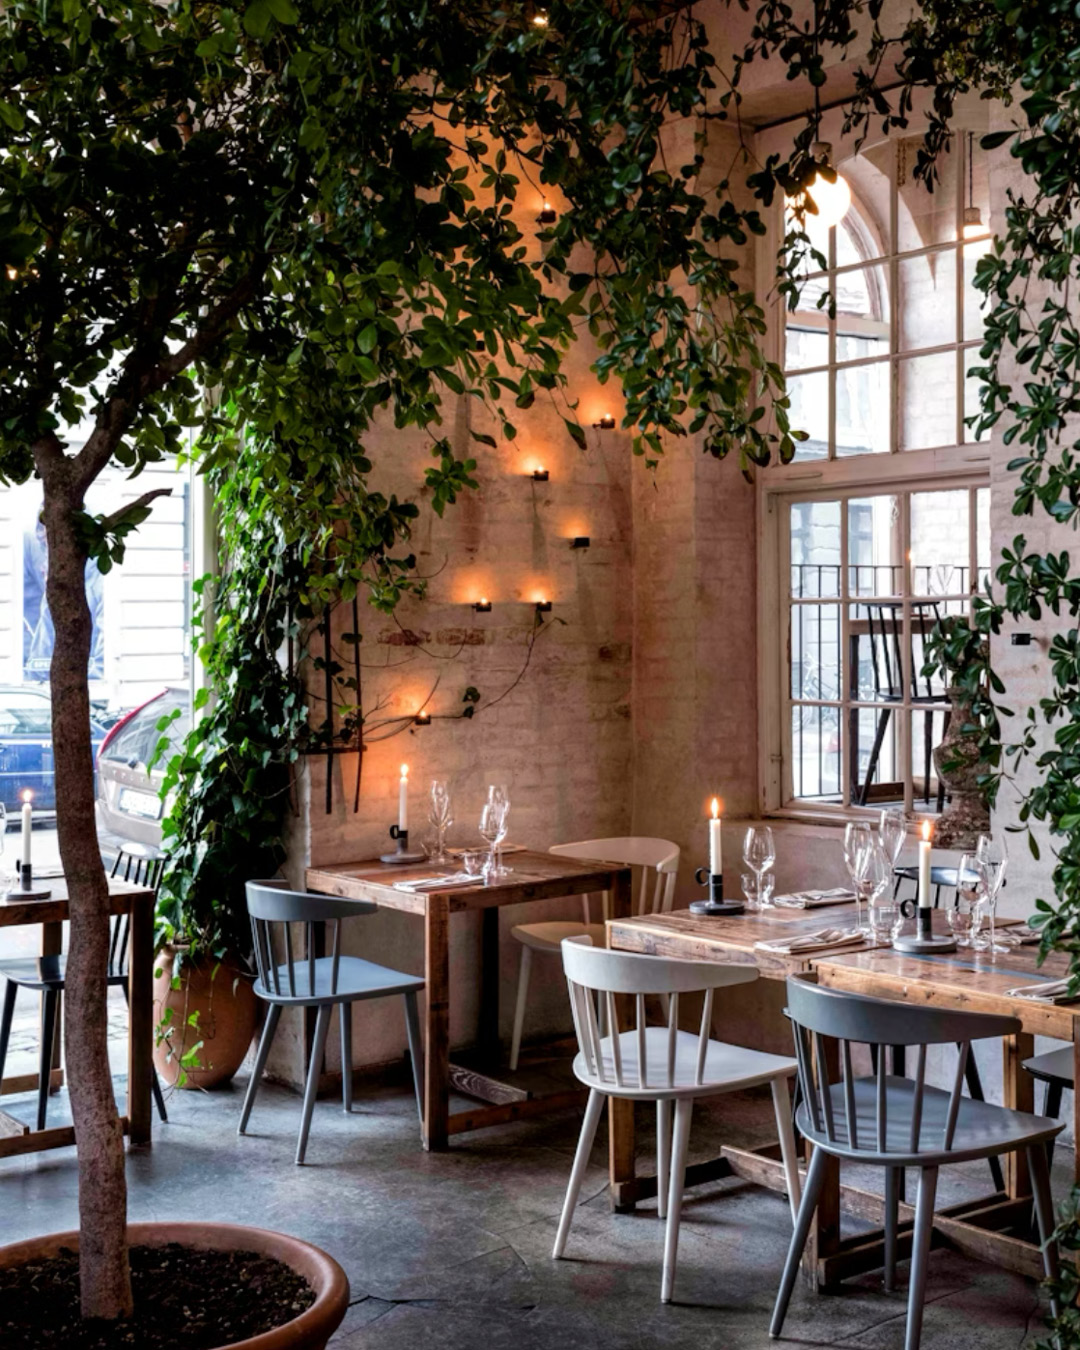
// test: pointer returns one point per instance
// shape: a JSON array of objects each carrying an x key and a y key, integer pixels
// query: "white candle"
[
  {"x": 716, "y": 850},
  {"x": 403, "y": 800},
  {"x": 924, "y": 867},
  {"x": 27, "y": 826}
]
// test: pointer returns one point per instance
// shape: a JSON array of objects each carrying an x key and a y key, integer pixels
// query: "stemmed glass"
[
  {"x": 892, "y": 831},
  {"x": 992, "y": 858},
  {"x": 493, "y": 829},
  {"x": 965, "y": 915},
  {"x": 499, "y": 799},
  {"x": 441, "y": 816},
  {"x": 759, "y": 851},
  {"x": 858, "y": 837},
  {"x": 873, "y": 870}
]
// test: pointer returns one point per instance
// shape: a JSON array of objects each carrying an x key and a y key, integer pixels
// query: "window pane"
[
  {"x": 926, "y": 302},
  {"x": 875, "y": 742},
  {"x": 862, "y": 409},
  {"x": 864, "y": 231},
  {"x": 806, "y": 347},
  {"x": 862, "y": 294},
  {"x": 815, "y": 752},
  {"x": 972, "y": 404},
  {"x": 982, "y": 535},
  {"x": 874, "y": 546},
  {"x": 809, "y": 412},
  {"x": 876, "y": 642},
  {"x": 927, "y": 729},
  {"x": 815, "y": 651},
  {"x": 924, "y": 217},
  {"x": 814, "y": 533},
  {"x": 975, "y": 303},
  {"x": 940, "y": 555},
  {"x": 927, "y": 394}
]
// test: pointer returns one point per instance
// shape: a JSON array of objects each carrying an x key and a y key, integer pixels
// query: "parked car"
[
  {"x": 26, "y": 745},
  {"x": 129, "y": 804}
]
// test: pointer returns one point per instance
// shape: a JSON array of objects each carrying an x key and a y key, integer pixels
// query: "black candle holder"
[
  {"x": 403, "y": 854},
  {"x": 925, "y": 940},
  {"x": 26, "y": 889},
  {"x": 714, "y": 906}
]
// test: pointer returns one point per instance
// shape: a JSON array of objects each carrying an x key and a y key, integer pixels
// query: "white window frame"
[{"x": 964, "y": 464}]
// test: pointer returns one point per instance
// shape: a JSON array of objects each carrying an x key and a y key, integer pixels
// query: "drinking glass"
[
  {"x": 475, "y": 862},
  {"x": 758, "y": 890},
  {"x": 499, "y": 797},
  {"x": 872, "y": 877},
  {"x": 759, "y": 851},
  {"x": 965, "y": 915},
  {"x": 493, "y": 829},
  {"x": 441, "y": 816},
  {"x": 992, "y": 857},
  {"x": 892, "y": 831}
]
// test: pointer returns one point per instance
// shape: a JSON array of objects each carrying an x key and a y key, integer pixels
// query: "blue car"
[{"x": 26, "y": 746}]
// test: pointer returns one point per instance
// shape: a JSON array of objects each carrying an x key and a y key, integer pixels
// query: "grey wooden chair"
[
  {"x": 1055, "y": 1069},
  {"x": 891, "y": 1122},
  {"x": 47, "y": 975},
  {"x": 322, "y": 982}
]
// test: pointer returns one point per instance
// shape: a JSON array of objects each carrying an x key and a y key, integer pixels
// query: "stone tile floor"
[{"x": 454, "y": 1250}]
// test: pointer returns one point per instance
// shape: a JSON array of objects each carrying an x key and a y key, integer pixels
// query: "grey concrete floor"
[{"x": 454, "y": 1250}]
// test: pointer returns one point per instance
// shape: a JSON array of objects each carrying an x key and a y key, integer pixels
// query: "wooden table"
[
  {"x": 974, "y": 982},
  {"x": 51, "y": 914},
  {"x": 535, "y": 876}
]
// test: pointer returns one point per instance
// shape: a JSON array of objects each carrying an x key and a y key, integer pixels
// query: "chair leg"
[
  {"x": 684, "y": 1109},
  {"x": 920, "y": 1255},
  {"x": 311, "y": 1087},
  {"x": 155, "y": 1081},
  {"x": 519, "y": 1006},
  {"x": 875, "y": 754},
  {"x": 788, "y": 1149},
  {"x": 49, "y": 999},
  {"x": 975, "y": 1092},
  {"x": 892, "y": 1223},
  {"x": 577, "y": 1172},
  {"x": 265, "y": 1041},
  {"x": 815, "y": 1180},
  {"x": 10, "y": 991},
  {"x": 345, "y": 1013},
  {"x": 1044, "y": 1214},
  {"x": 663, "y": 1154},
  {"x": 416, "y": 1051},
  {"x": 1051, "y": 1108}
]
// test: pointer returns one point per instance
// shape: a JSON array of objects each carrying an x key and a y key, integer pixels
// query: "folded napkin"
[
  {"x": 439, "y": 883},
  {"x": 809, "y": 942},
  {"x": 814, "y": 899},
  {"x": 1046, "y": 991},
  {"x": 1022, "y": 933}
]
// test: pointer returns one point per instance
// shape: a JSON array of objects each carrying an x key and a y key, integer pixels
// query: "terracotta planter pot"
[
  {"x": 227, "y": 1010},
  {"x": 310, "y": 1331}
]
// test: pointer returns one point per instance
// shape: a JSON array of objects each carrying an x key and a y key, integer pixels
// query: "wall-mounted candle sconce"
[
  {"x": 548, "y": 215},
  {"x": 540, "y": 18},
  {"x": 543, "y": 606},
  {"x": 580, "y": 541},
  {"x": 1021, "y": 639},
  {"x": 483, "y": 606},
  {"x": 606, "y": 423},
  {"x": 422, "y": 719},
  {"x": 540, "y": 475}
]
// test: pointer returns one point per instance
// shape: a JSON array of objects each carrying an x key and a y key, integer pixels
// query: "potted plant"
[{"x": 959, "y": 653}]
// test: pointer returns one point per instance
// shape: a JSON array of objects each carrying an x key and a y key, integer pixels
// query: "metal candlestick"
[
  {"x": 715, "y": 905},
  {"x": 403, "y": 855},
  {"x": 925, "y": 941},
  {"x": 25, "y": 889}
]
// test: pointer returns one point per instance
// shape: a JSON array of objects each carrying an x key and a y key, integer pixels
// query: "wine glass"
[
  {"x": 874, "y": 869},
  {"x": 499, "y": 797},
  {"x": 992, "y": 858},
  {"x": 965, "y": 914},
  {"x": 858, "y": 837},
  {"x": 759, "y": 852},
  {"x": 441, "y": 816},
  {"x": 892, "y": 830},
  {"x": 493, "y": 828}
]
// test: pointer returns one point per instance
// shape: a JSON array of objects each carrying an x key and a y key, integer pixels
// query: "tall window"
[{"x": 881, "y": 525}]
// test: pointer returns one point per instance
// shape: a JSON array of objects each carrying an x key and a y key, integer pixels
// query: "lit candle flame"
[
  {"x": 716, "y": 808},
  {"x": 926, "y": 830},
  {"x": 27, "y": 795},
  {"x": 404, "y": 771}
]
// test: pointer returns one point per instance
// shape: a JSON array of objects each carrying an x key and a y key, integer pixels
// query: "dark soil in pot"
[{"x": 194, "y": 1299}]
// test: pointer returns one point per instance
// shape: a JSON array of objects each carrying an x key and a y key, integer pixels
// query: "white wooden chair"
[
  {"x": 658, "y": 860},
  {"x": 661, "y": 1064}
]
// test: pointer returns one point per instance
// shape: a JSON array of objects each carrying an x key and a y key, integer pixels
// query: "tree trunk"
[{"x": 105, "y": 1278}]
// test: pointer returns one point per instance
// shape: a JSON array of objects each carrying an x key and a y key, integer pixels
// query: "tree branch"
[{"x": 110, "y": 522}]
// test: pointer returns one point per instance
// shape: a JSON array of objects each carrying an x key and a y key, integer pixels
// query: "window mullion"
[
  {"x": 906, "y": 775},
  {"x": 848, "y": 678}
]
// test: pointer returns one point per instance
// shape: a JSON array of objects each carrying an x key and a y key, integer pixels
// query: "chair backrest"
[
  {"x": 271, "y": 902},
  {"x": 820, "y": 1015},
  {"x": 885, "y": 624},
  {"x": 658, "y": 860},
  {"x": 141, "y": 870},
  {"x": 595, "y": 975}
]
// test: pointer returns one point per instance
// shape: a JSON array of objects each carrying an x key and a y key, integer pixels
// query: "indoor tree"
[{"x": 283, "y": 222}]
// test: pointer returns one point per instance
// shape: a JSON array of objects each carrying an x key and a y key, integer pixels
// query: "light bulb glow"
[{"x": 833, "y": 200}]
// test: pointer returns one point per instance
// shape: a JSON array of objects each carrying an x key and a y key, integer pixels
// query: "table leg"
[
  {"x": 489, "y": 985},
  {"x": 140, "y": 1018},
  {"x": 1076, "y": 1100},
  {"x": 825, "y": 1229},
  {"x": 621, "y": 1138},
  {"x": 1019, "y": 1095},
  {"x": 436, "y": 1023},
  {"x": 52, "y": 944}
]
